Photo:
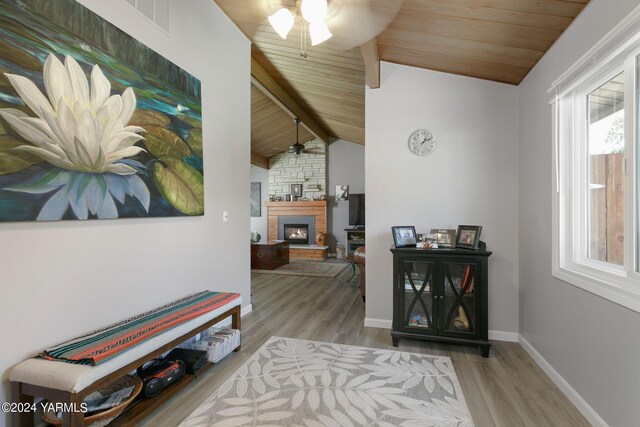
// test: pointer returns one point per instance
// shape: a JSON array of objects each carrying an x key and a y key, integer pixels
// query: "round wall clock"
[{"x": 422, "y": 142}]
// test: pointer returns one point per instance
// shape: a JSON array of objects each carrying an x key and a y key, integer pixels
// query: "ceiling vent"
[{"x": 157, "y": 11}]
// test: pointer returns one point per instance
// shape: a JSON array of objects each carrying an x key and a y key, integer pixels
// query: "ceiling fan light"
[
  {"x": 282, "y": 22},
  {"x": 319, "y": 33},
  {"x": 313, "y": 10}
]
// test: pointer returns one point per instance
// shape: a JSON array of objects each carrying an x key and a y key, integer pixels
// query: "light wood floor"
[{"x": 507, "y": 389}]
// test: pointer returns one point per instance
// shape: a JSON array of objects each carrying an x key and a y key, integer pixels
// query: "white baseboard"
[
  {"x": 585, "y": 409},
  {"x": 377, "y": 323},
  {"x": 504, "y": 336},
  {"x": 246, "y": 310}
]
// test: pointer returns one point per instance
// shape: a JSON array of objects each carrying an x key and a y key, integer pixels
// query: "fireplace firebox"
[{"x": 296, "y": 233}]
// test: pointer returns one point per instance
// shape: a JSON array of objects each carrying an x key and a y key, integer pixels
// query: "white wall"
[
  {"x": 61, "y": 279},
  {"x": 346, "y": 166},
  {"x": 592, "y": 343},
  {"x": 259, "y": 224},
  {"x": 471, "y": 178}
]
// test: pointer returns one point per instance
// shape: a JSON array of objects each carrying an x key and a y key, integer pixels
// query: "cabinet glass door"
[
  {"x": 416, "y": 303},
  {"x": 458, "y": 304}
]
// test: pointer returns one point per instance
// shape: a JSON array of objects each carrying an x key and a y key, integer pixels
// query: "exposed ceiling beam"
[
  {"x": 371, "y": 59},
  {"x": 267, "y": 84},
  {"x": 260, "y": 161}
]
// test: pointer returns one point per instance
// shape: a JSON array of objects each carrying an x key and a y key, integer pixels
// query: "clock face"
[{"x": 422, "y": 142}]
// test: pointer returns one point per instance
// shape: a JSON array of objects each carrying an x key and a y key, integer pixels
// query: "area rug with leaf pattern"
[
  {"x": 309, "y": 383},
  {"x": 329, "y": 269}
]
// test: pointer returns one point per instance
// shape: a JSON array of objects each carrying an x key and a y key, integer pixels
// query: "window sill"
[{"x": 619, "y": 290}]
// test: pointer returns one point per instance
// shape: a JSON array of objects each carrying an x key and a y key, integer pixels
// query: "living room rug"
[
  {"x": 310, "y": 383},
  {"x": 308, "y": 268}
]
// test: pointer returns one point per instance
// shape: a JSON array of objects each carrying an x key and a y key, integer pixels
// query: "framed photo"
[
  {"x": 468, "y": 236},
  {"x": 404, "y": 236},
  {"x": 342, "y": 193},
  {"x": 296, "y": 190},
  {"x": 428, "y": 241},
  {"x": 446, "y": 237}
]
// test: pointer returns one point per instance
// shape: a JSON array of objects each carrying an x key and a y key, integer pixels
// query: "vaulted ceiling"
[{"x": 498, "y": 40}]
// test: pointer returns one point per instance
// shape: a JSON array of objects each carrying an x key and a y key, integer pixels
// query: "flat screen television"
[{"x": 356, "y": 210}]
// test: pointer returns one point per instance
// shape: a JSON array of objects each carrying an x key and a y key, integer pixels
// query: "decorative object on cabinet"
[
  {"x": 256, "y": 196},
  {"x": 255, "y": 237},
  {"x": 296, "y": 190},
  {"x": 468, "y": 236},
  {"x": 446, "y": 237},
  {"x": 441, "y": 295},
  {"x": 404, "y": 236},
  {"x": 427, "y": 241}
]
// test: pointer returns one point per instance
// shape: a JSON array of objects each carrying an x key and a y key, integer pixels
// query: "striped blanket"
[{"x": 103, "y": 344}]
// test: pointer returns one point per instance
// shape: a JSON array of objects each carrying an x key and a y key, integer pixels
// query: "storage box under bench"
[{"x": 71, "y": 383}]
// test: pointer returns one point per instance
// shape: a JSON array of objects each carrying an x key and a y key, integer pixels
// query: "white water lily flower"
[{"x": 77, "y": 128}]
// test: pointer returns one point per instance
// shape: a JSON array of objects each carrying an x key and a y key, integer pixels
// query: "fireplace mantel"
[{"x": 317, "y": 209}]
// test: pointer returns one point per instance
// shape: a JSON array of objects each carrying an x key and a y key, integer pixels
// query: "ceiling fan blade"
[{"x": 355, "y": 22}]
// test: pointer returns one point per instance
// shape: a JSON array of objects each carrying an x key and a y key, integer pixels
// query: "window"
[
  {"x": 596, "y": 208},
  {"x": 605, "y": 184}
]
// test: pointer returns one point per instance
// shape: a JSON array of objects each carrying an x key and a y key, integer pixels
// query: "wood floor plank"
[{"x": 507, "y": 389}]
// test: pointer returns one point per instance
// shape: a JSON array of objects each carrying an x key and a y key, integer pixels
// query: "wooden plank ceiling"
[
  {"x": 272, "y": 129},
  {"x": 498, "y": 40}
]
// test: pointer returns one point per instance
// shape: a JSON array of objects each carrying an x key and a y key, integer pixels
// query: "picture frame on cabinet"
[
  {"x": 404, "y": 236},
  {"x": 468, "y": 236},
  {"x": 446, "y": 237}
]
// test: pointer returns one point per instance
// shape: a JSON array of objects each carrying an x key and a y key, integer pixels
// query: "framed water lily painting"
[{"x": 93, "y": 124}]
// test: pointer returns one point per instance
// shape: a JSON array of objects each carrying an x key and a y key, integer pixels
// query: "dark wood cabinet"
[
  {"x": 269, "y": 256},
  {"x": 441, "y": 295}
]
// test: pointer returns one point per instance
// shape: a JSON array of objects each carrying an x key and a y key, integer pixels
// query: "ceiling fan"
[
  {"x": 349, "y": 23},
  {"x": 298, "y": 148}
]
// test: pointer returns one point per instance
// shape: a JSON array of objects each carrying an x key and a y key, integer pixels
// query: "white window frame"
[{"x": 618, "y": 51}]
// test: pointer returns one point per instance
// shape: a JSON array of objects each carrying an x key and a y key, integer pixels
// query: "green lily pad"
[
  {"x": 161, "y": 142},
  {"x": 180, "y": 184},
  {"x": 15, "y": 55},
  {"x": 194, "y": 141},
  {"x": 149, "y": 118},
  {"x": 12, "y": 161},
  {"x": 189, "y": 121}
]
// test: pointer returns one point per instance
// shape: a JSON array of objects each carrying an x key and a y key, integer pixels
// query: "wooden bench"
[{"x": 70, "y": 384}]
